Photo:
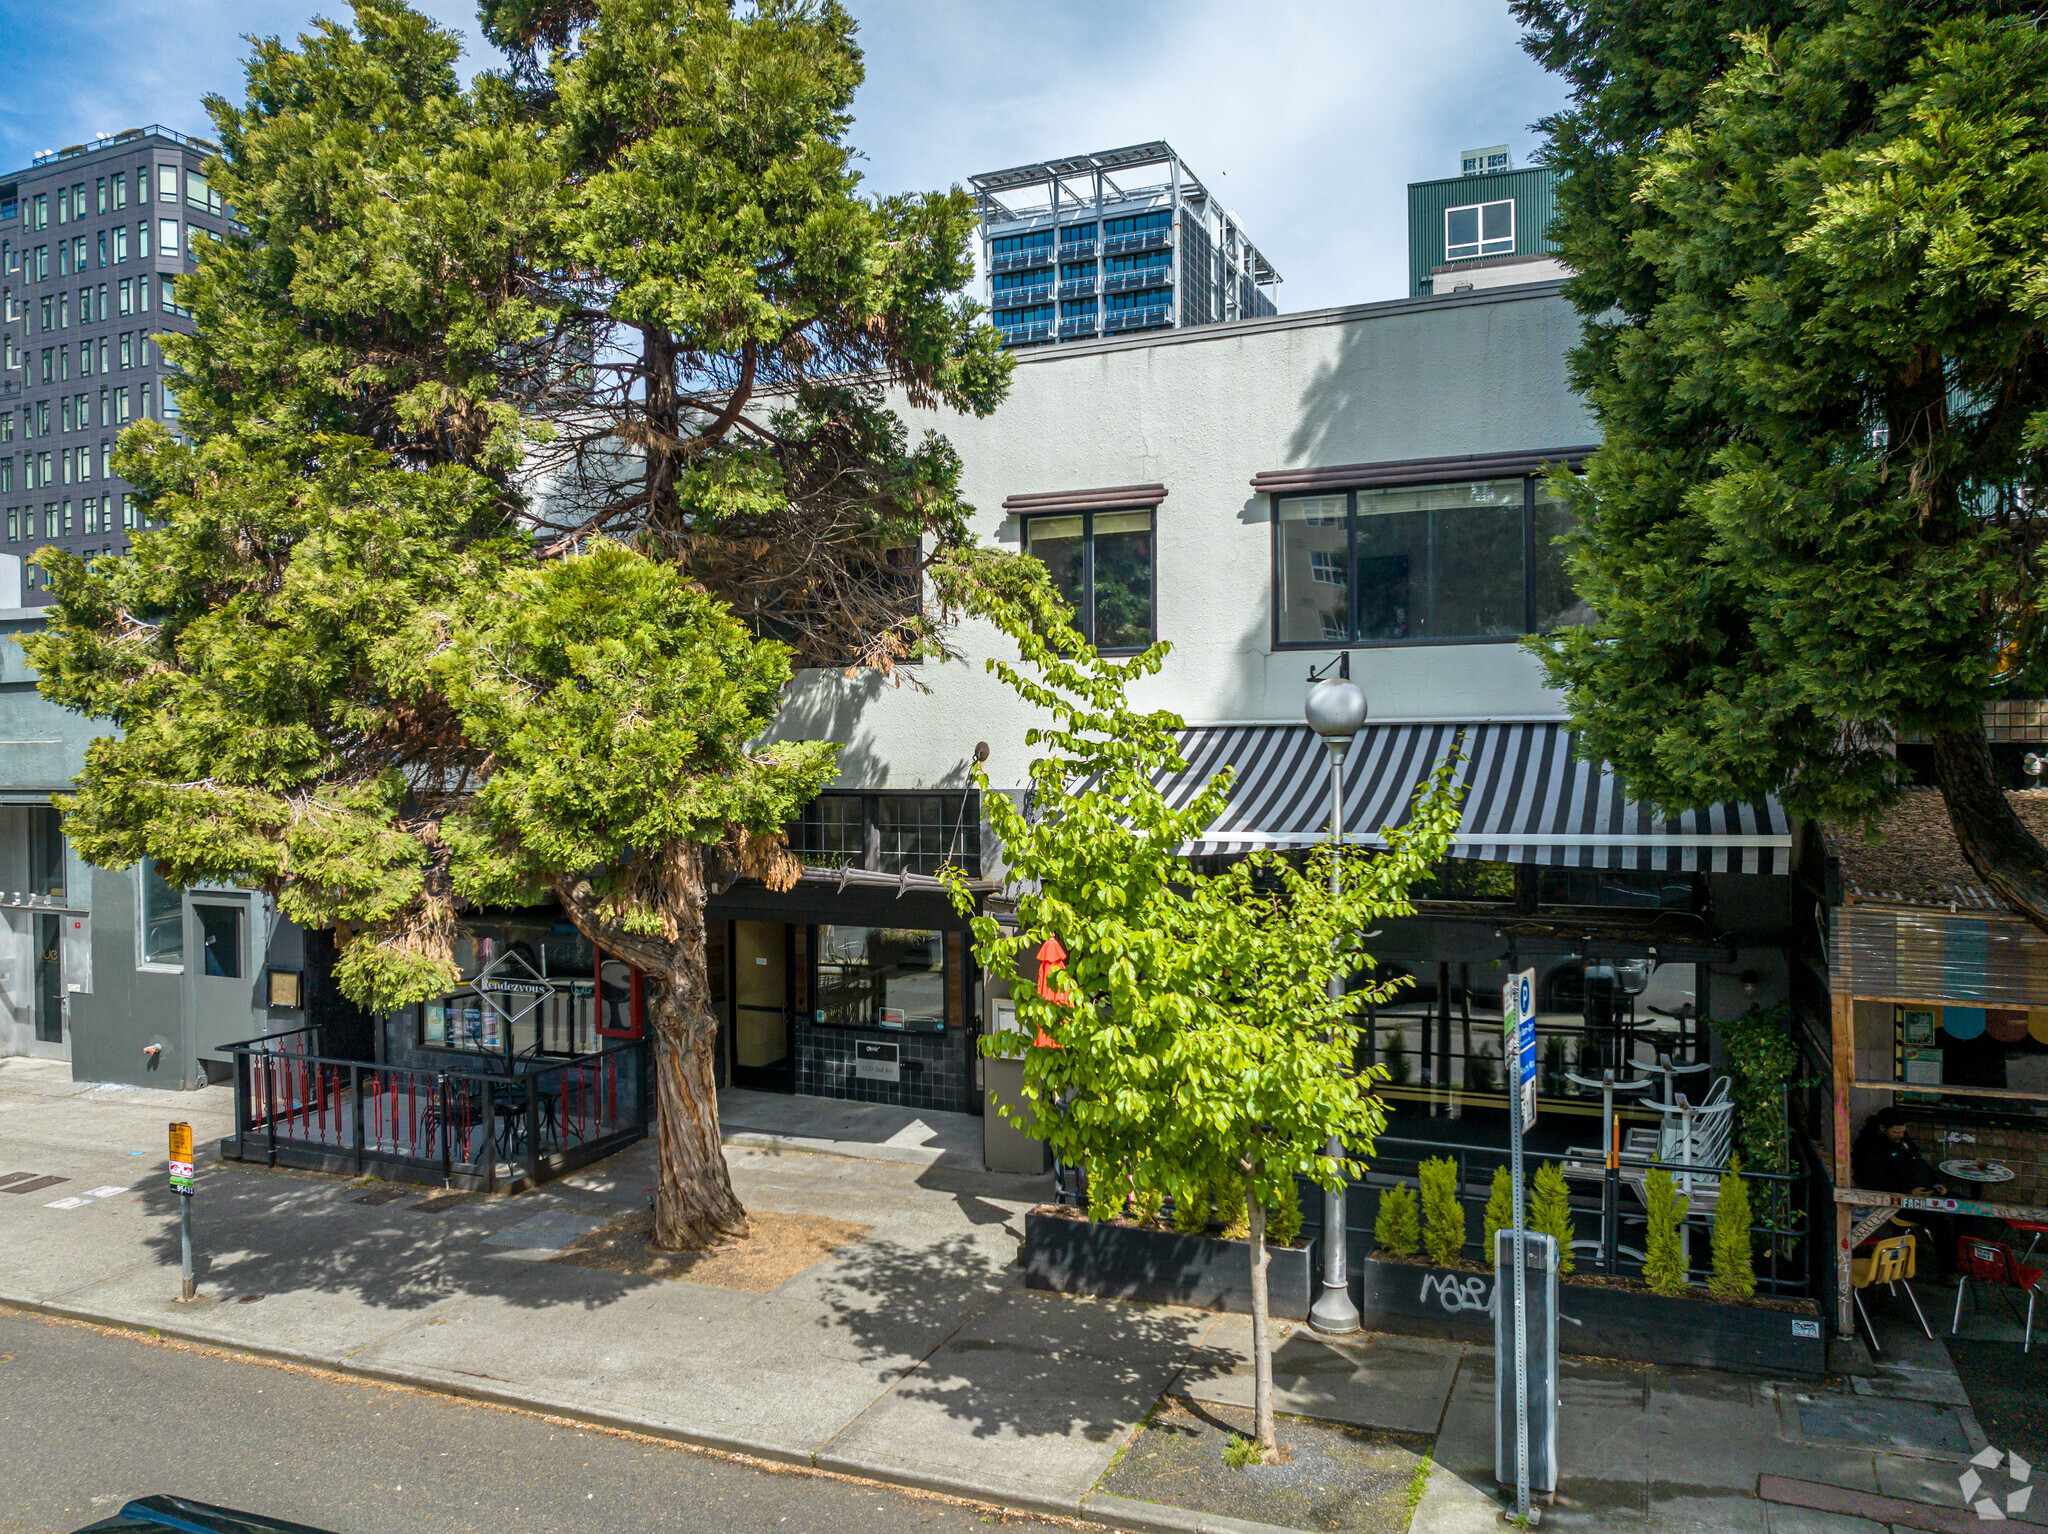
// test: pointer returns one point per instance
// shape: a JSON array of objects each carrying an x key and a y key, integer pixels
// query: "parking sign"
[{"x": 1518, "y": 1037}]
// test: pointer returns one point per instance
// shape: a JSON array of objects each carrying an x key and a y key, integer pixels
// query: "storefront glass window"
[
  {"x": 882, "y": 977},
  {"x": 163, "y": 918}
]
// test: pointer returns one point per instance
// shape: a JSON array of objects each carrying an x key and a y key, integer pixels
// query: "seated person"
[{"x": 1885, "y": 1160}]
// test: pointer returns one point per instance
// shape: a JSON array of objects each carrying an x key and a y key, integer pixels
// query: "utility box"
[
  {"x": 1005, "y": 1147},
  {"x": 1539, "y": 1268}
]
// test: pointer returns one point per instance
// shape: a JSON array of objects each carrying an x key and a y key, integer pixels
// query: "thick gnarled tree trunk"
[
  {"x": 694, "y": 1203},
  {"x": 2006, "y": 855}
]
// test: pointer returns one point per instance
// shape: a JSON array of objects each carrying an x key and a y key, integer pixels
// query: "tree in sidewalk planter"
[
  {"x": 1734, "y": 1275},
  {"x": 1807, "y": 241},
  {"x": 1443, "y": 1211},
  {"x": 1396, "y": 1225},
  {"x": 1664, "y": 1268},
  {"x": 346, "y": 671},
  {"x": 1198, "y": 1042}
]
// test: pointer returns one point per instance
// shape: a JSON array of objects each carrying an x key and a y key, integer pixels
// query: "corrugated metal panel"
[
  {"x": 1911, "y": 954},
  {"x": 1534, "y": 191}
]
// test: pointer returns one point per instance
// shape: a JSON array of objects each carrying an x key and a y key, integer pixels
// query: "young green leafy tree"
[
  {"x": 1808, "y": 241},
  {"x": 1198, "y": 1042},
  {"x": 647, "y": 256}
]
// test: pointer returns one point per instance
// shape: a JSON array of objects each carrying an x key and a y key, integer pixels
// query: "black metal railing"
[{"x": 541, "y": 1119}]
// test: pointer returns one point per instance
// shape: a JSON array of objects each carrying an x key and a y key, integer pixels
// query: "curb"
[{"x": 1158, "y": 1518}]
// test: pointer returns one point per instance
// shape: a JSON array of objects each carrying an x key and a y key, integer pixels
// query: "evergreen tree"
[
  {"x": 1664, "y": 1268},
  {"x": 1396, "y": 1225},
  {"x": 1550, "y": 1211},
  {"x": 1500, "y": 1211},
  {"x": 359, "y": 666},
  {"x": 1443, "y": 1211},
  {"x": 1734, "y": 1276},
  {"x": 1807, "y": 243}
]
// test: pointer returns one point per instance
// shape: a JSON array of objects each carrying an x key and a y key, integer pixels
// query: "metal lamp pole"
[{"x": 1336, "y": 712}]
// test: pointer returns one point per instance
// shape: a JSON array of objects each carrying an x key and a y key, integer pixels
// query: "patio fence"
[{"x": 463, "y": 1128}]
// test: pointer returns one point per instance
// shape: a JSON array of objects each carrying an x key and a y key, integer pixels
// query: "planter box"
[
  {"x": 1161, "y": 1267},
  {"x": 1419, "y": 1301}
]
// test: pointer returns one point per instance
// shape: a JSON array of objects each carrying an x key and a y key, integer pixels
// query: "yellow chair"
[{"x": 1888, "y": 1262}]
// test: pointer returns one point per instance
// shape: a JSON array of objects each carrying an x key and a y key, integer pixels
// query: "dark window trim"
[
  {"x": 1108, "y": 498},
  {"x": 1528, "y": 476},
  {"x": 1086, "y": 617},
  {"x": 871, "y": 818},
  {"x": 1417, "y": 471}
]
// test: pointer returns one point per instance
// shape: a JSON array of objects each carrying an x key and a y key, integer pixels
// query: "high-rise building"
[
  {"x": 1109, "y": 243},
  {"x": 1486, "y": 227},
  {"x": 93, "y": 242}
]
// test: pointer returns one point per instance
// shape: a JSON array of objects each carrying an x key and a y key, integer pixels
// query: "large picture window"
[
  {"x": 882, "y": 977},
  {"x": 1472, "y": 560},
  {"x": 890, "y": 833},
  {"x": 1101, "y": 561}
]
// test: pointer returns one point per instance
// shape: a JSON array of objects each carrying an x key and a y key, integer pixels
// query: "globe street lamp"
[{"x": 1336, "y": 711}]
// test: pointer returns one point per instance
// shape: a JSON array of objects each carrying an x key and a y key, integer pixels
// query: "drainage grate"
[{"x": 33, "y": 1185}]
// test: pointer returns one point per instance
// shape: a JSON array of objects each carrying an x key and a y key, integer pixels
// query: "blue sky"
[{"x": 1307, "y": 117}]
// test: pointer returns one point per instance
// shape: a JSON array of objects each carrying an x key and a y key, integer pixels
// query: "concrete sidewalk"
[{"x": 913, "y": 1356}]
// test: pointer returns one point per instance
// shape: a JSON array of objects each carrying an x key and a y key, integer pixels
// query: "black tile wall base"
[{"x": 937, "y": 1072}]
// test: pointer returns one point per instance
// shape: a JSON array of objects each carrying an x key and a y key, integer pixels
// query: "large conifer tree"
[
  {"x": 365, "y": 664},
  {"x": 1809, "y": 243}
]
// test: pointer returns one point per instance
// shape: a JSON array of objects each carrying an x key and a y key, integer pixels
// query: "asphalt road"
[{"x": 89, "y": 1419}]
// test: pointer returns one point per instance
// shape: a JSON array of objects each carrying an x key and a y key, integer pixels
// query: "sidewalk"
[{"x": 914, "y": 1355}]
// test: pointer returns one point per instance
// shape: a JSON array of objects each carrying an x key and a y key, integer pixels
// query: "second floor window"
[
  {"x": 1101, "y": 562},
  {"x": 1480, "y": 229},
  {"x": 1471, "y": 560}
]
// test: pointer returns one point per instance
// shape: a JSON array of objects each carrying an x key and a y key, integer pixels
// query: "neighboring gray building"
[
  {"x": 1110, "y": 243},
  {"x": 93, "y": 241},
  {"x": 128, "y": 979}
]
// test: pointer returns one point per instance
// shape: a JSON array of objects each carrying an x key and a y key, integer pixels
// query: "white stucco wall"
[{"x": 1201, "y": 412}]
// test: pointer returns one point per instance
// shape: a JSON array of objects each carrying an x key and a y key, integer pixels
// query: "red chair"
[
  {"x": 1993, "y": 1262},
  {"x": 2034, "y": 1228}
]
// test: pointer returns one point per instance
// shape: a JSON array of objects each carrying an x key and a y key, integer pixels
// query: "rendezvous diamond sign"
[{"x": 1980, "y": 1494}]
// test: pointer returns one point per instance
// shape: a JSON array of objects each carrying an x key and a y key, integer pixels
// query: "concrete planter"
[
  {"x": 1679, "y": 1330},
  {"x": 1162, "y": 1267}
]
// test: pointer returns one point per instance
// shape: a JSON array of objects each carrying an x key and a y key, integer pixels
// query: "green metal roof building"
[{"x": 1486, "y": 227}]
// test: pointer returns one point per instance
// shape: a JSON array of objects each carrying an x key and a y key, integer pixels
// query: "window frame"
[
  {"x": 1086, "y": 617},
  {"x": 1480, "y": 252},
  {"x": 143, "y": 962},
  {"x": 967, "y": 823},
  {"x": 1274, "y": 498}
]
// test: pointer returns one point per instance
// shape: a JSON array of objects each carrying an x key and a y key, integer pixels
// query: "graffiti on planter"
[{"x": 1456, "y": 1294}]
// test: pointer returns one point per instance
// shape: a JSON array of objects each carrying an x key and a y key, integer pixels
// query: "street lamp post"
[{"x": 1336, "y": 712}]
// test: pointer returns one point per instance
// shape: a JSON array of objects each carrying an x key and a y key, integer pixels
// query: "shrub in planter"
[
  {"x": 1396, "y": 1228},
  {"x": 1734, "y": 1276},
  {"x": 1443, "y": 1212},
  {"x": 1663, "y": 1254},
  {"x": 1500, "y": 1210},
  {"x": 1550, "y": 1211}
]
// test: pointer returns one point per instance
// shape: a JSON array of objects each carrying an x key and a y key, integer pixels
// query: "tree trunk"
[
  {"x": 694, "y": 1205},
  {"x": 1262, "y": 1339},
  {"x": 2006, "y": 855}
]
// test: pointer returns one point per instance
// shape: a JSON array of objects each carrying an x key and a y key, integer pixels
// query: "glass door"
[
  {"x": 761, "y": 1019},
  {"x": 49, "y": 980}
]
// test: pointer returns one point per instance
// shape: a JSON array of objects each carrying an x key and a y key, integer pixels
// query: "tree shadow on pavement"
[{"x": 1021, "y": 1363}]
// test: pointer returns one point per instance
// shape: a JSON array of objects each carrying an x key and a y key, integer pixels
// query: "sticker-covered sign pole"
[
  {"x": 1518, "y": 1052},
  {"x": 181, "y": 1184}
]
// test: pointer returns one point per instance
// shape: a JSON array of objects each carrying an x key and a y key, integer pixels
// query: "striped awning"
[{"x": 1528, "y": 799}]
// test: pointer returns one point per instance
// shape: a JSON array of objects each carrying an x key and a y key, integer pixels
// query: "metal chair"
[
  {"x": 2034, "y": 1228},
  {"x": 1993, "y": 1262},
  {"x": 1888, "y": 1262}
]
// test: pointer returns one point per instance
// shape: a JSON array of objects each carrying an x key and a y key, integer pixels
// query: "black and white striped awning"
[{"x": 1528, "y": 799}]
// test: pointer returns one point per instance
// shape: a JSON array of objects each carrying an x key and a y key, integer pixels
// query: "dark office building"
[{"x": 93, "y": 242}]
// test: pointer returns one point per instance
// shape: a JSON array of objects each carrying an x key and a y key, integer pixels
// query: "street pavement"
[{"x": 97, "y": 1418}]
